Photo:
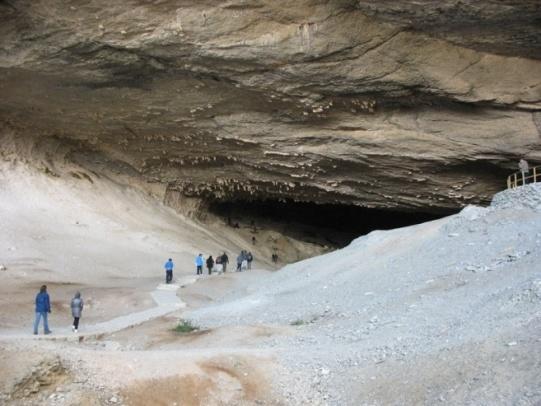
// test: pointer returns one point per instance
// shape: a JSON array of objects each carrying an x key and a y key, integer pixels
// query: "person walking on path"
[
  {"x": 249, "y": 258},
  {"x": 43, "y": 308},
  {"x": 210, "y": 264},
  {"x": 199, "y": 264},
  {"x": 76, "y": 310},
  {"x": 225, "y": 261},
  {"x": 240, "y": 258},
  {"x": 524, "y": 169},
  {"x": 218, "y": 264},
  {"x": 169, "y": 270}
]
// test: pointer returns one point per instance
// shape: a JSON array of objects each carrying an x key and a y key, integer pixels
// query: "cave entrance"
[{"x": 324, "y": 224}]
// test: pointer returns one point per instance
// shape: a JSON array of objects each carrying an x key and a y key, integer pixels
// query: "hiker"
[
  {"x": 240, "y": 258},
  {"x": 253, "y": 240},
  {"x": 225, "y": 261},
  {"x": 274, "y": 258},
  {"x": 43, "y": 307},
  {"x": 210, "y": 264},
  {"x": 169, "y": 270},
  {"x": 199, "y": 264},
  {"x": 524, "y": 169},
  {"x": 76, "y": 310},
  {"x": 249, "y": 259},
  {"x": 244, "y": 261},
  {"x": 218, "y": 264}
]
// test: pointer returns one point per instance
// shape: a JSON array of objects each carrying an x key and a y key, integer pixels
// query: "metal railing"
[{"x": 518, "y": 179}]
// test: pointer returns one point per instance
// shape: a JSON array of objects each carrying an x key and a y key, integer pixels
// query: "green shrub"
[{"x": 185, "y": 326}]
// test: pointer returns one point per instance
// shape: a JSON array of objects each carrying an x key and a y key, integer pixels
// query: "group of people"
[
  {"x": 218, "y": 264},
  {"x": 244, "y": 261},
  {"x": 213, "y": 265},
  {"x": 43, "y": 308}
]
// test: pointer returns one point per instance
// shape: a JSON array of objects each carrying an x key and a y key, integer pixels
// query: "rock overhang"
[{"x": 313, "y": 101}]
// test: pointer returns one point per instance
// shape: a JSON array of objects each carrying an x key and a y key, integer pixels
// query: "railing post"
[
  {"x": 534, "y": 174},
  {"x": 508, "y": 182},
  {"x": 515, "y": 180}
]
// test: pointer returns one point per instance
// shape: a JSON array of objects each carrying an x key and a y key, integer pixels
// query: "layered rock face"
[{"x": 404, "y": 105}]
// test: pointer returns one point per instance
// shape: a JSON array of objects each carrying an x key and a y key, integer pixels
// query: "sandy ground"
[
  {"x": 100, "y": 238},
  {"x": 109, "y": 242}
]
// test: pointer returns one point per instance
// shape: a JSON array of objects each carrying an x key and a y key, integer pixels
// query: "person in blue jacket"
[
  {"x": 169, "y": 271},
  {"x": 43, "y": 307},
  {"x": 199, "y": 264}
]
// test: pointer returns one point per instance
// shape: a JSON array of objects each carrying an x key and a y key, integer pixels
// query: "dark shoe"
[
  {"x": 35, "y": 333},
  {"x": 49, "y": 332}
]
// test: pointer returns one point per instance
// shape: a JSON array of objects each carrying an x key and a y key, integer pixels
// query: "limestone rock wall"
[{"x": 391, "y": 104}]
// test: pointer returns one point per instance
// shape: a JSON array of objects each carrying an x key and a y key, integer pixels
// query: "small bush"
[
  {"x": 185, "y": 326},
  {"x": 298, "y": 322}
]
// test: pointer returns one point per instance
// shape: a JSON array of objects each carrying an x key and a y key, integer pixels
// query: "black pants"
[
  {"x": 76, "y": 322},
  {"x": 210, "y": 270},
  {"x": 168, "y": 276},
  {"x": 199, "y": 270}
]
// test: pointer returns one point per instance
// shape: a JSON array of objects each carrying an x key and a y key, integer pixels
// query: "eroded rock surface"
[{"x": 402, "y": 104}]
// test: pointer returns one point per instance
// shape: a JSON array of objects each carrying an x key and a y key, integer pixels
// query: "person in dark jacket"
[
  {"x": 218, "y": 264},
  {"x": 249, "y": 258},
  {"x": 210, "y": 264},
  {"x": 225, "y": 261},
  {"x": 43, "y": 308},
  {"x": 76, "y": 310}
]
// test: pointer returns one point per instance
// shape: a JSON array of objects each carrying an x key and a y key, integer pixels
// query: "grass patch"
[{"x": 185, "y": 326}]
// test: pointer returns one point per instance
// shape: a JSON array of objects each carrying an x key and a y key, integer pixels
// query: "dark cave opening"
[{"x": 324, "y": 224}]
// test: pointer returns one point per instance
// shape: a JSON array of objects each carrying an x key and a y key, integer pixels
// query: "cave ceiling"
[{"x": 409, "y": 105}]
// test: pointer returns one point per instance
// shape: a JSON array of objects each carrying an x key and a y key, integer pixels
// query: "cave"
[{"x": 331, "y": 225}]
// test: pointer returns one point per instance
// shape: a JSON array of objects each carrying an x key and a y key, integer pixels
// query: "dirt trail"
[{"x": 165, "y": 297}]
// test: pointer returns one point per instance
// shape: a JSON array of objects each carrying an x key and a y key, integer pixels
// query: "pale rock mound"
[{"x": 446, "y": 311}]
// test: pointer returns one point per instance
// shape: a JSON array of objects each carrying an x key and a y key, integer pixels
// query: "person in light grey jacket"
[
  {"x": 76, "y": 310},
  {"x": 524, "y": 169}
]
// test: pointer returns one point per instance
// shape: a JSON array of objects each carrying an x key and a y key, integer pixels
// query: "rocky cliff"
[{"x": 409, "y": 105}]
